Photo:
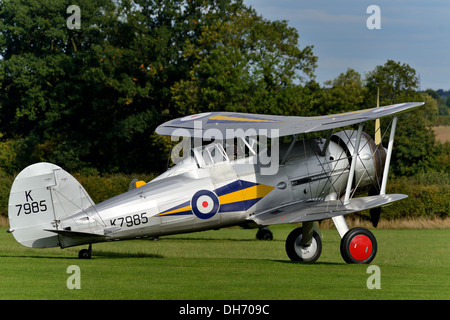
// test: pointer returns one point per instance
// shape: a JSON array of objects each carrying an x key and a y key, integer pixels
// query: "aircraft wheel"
[
  {"x": 84, "y": 254},
  {"x": 264, "y": 234},
  {"x": 297, "y": 252},
  {"x": 358, "y": 246}
]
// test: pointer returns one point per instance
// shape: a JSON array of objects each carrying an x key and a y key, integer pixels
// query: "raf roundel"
[
  {"x": 205, "y": 204},
  {"x": 195, "y": 116}
]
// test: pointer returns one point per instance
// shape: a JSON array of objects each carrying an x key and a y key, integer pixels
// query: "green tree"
[
  {"x": 244, "y": 63},
  {"x": 415, "y": 146},
  {"x": 442, "y": 108},
  {"x": 43, "y": 80},
  {"x": 397, "y": 82},
  {"x": 345, "y": 93},
  {"x": 92, "y": 97}
]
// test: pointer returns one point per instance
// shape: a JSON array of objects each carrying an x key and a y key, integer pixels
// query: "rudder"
[{"x": 41, "y": 195}]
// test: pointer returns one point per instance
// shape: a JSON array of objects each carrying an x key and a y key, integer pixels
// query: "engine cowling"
[{"x": 370, "y": 163}]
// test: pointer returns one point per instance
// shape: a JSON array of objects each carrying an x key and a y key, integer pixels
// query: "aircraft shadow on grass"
[{"x": 105, "y": 254}]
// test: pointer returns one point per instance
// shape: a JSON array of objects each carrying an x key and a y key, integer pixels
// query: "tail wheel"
[
  {"x": 358, "y": 246},
  {"x": 297, "y": 252}
]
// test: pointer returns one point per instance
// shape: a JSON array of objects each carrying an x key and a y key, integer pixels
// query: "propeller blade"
[
  {"x": 377, "y": 123},
  {"x": 380, "y": 160},
  {"x": 375, "y": 216},
  {"x": 374, "y": 212}
]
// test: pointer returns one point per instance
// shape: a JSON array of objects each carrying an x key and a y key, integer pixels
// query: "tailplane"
[{"x": 41, "y": 196}]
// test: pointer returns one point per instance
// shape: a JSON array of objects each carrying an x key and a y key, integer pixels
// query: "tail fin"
[{"x": 41, "y": 195}]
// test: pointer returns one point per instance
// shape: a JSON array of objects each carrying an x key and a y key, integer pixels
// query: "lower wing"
[{"x": 314, "y": 211}]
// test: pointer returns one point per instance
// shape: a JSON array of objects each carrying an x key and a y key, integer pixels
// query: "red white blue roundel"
[
  {"x": 195, "y": 116},
  {"x": 205, "y": 204}
]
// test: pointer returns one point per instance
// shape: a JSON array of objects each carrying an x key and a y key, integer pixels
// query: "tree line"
[{"x": 89, "y": 99}]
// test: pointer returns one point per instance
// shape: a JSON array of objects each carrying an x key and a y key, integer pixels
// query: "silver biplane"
[{"x": 244, "y": 176}]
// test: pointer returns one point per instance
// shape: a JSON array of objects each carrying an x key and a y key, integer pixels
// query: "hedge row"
[
  {"x": 429, "y": 194},
  {"x": 429, "y": 197}
]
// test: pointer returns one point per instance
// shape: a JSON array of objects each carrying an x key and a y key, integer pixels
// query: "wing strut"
[
  {"x": 294, "y": 139},
  {"x": 327, "y": 143},
  {"x": 353, "y": 165},
  {"x": 388, "y": 156}
]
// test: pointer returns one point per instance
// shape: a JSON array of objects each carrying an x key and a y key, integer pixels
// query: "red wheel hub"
[{"x": 360, "y": 247}]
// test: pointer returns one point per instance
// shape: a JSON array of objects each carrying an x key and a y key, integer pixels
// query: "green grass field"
[{"x": 228, "y": 264}]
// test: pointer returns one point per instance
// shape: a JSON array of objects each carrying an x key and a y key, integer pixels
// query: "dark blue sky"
[{"x": 416, "y": 32}]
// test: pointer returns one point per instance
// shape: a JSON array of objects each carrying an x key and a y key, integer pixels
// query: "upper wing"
[
  {"x": 314, "y": 211},
  {"x": 258, "y": 124}
]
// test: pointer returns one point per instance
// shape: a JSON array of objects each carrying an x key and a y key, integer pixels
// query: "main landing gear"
[
  {"x": 85, "y": 253},
  {"x": 264, "y": 234},
  {"x": 302, "y": 245},
  {"x": 358, "y": 245}
]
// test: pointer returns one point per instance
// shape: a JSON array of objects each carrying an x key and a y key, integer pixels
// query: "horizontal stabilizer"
[
  {"x": 75, "y": 234},
  {"x": 314, "y": 211}
]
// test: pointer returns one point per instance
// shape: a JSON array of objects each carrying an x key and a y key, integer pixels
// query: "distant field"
[
  {"x": 228, "y": 264},
  {"x": 442, "y": 133}
]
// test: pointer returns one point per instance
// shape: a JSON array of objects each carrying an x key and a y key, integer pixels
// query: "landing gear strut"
[
  {"x": 85, "y": 253},
  {"x": 358, "y": 245}
]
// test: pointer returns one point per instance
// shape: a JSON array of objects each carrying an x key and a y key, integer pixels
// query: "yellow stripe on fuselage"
[
  {"x": 187, "y": 208},
  {"x": 255, "y": 192}
]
